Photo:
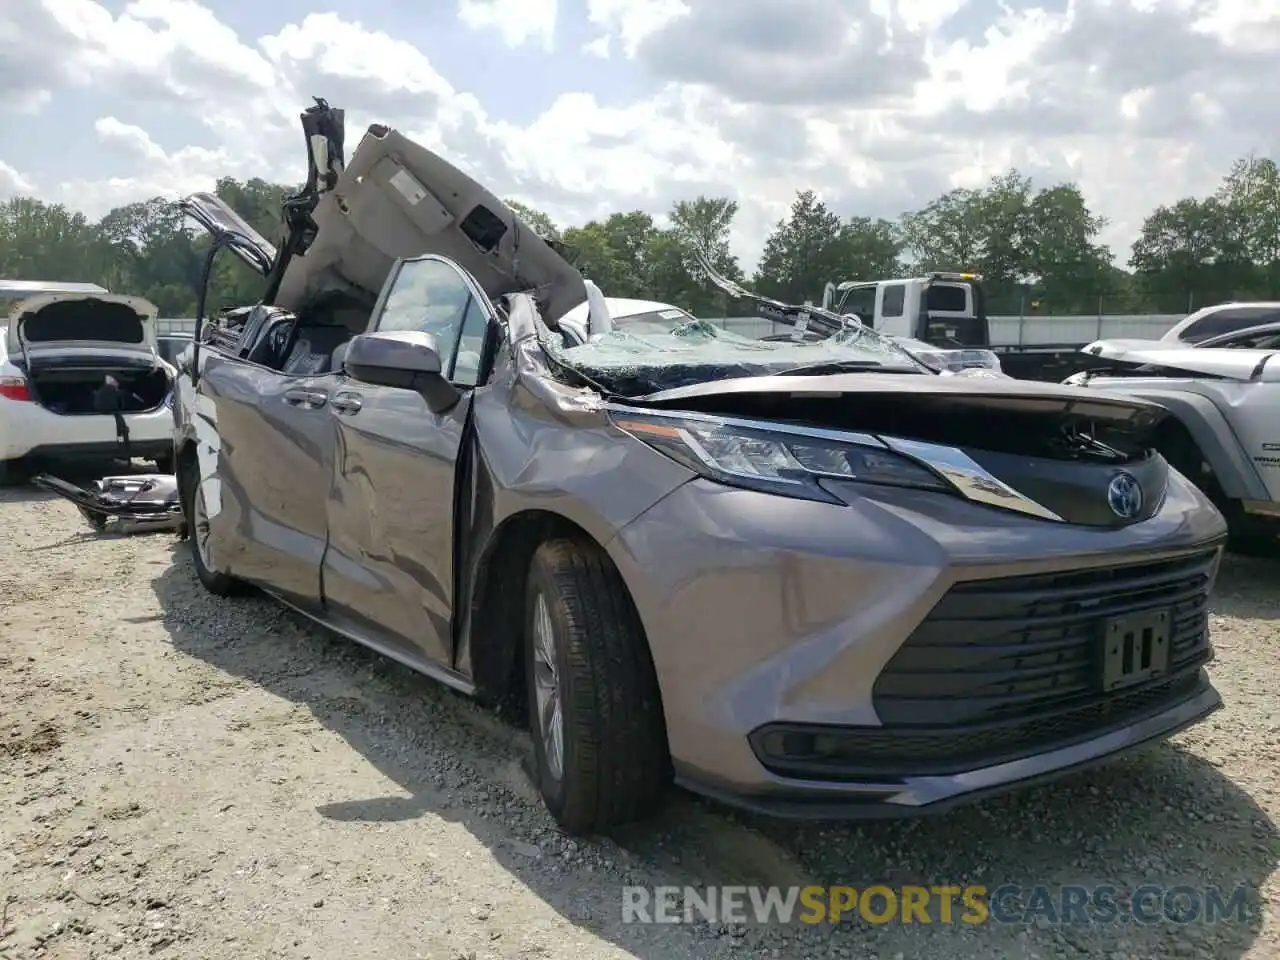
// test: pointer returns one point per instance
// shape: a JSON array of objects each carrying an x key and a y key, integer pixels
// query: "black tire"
[
  {"x": 1244, "y": 537},
  {"x": 13, "y": 473},
  {"x": 614, "y": 764},
  {"x": 1249, "y": 536},
  {"x": 219, "y": 584},
  {"x": 1252, "y": 546}
]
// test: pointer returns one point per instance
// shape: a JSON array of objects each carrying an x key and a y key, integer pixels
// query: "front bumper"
[
  {"x": 955, "y": 648},
  {"x": 925, "y": 795}
]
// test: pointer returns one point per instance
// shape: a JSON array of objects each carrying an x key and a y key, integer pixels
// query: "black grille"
[
  {"x": 1001, "y": 669},
  {"x": 1018, "y": 647},
  {"x": 884, "y": 754}
]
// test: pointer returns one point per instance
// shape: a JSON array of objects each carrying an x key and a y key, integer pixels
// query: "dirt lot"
[{"x": 202, "y": 779}]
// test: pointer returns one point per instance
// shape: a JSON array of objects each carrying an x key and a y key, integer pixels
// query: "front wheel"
[
  {"x": 595, "y": 713},
  {"x": 199, "y": 535}
]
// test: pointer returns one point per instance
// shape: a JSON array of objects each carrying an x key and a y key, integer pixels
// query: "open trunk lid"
[{"x": 82, "y": 325}]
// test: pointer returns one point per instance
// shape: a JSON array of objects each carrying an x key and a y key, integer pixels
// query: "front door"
[
  {"x": 389, "y": 564},
  {"x": 272, "y": 466}
]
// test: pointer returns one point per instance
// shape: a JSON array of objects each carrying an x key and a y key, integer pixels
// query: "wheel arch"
[
  {"x": 1212, "y": 435},
  {"x": 491, "y": 637}
]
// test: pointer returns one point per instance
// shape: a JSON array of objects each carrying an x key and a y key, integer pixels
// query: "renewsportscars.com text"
[{"x": 939, "y": 904}]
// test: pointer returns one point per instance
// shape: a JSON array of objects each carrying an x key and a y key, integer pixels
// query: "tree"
[
  {"x": 803, "y": 253},
  {"x": 542, "y": 224},
  {"x": 40, "y": 241},
  {"x": 1179, "y": 253},
  {"x": 1020, "y": 239},
  {"x": 812, "y": 247},
  {"x": 946, "y": 233},
  {"x": 1250, "y": 201},
  {"x": 1031, "y": 244},
  {"x": 1059, "y": 249}
]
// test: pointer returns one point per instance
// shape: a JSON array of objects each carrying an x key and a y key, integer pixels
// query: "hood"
[
  {"x": 1225, "y": 362},
  {"x": 956, "y": 392},
  {"x": 398, "y": 199},
  {"x": 1115, "y": 349},
  {"x": 79, "y": 322}
]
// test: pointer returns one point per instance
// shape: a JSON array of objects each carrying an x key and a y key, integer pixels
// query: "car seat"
[
  {"x": 271, "y": 347},
  {"x": 313, "y": 349}
]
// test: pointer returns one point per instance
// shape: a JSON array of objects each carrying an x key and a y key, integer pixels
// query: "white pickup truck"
[{"x": 949, "y": 310}]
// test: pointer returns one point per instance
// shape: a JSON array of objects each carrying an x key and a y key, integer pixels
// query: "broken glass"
[{"x": 636, "y": 361}]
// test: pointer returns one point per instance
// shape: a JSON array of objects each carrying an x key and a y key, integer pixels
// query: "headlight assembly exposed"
[{"x": 785, "y": 463}]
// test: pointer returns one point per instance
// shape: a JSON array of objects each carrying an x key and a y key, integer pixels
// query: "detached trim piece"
[{"x": 969, "y": 478}]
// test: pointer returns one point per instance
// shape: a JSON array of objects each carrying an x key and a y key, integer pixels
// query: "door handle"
[
  {"x": 346, "y": 403},
  {"x": 308, "y": 399}
]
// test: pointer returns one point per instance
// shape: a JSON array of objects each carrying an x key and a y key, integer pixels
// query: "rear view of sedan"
[{"x": 80, "y": 379}]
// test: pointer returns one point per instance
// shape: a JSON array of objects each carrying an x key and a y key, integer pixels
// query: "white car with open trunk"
[{"x": 80, "y": 379}]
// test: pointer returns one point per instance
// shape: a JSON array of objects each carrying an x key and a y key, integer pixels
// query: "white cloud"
[
  {"x": 599, "y": 47},
  {"x": 878, "y": 106},
  {"x": 634, "y": 20},
  {"x": 12, "y": 182},
  {"x": 160, "y": 173},
  {"x": 519, "y": 21}
]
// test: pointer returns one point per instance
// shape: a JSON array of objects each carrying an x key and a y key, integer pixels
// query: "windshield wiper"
[
  {"x": 804, "y": 318},
  {"x": 842, "y": 366}
]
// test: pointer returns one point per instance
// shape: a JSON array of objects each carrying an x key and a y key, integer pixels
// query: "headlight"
[{"x": 758, "y": 458}]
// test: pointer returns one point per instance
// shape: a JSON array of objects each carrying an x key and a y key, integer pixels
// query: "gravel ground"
[{"x": 194, "y": 778}]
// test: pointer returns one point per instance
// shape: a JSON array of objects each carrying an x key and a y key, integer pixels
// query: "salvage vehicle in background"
[
  {"x": 949, "y": 310},
  {"x": 1222, "y": 320},
  {"x": 650, "y": 317},
  {"x": 80, "y": 379},
  {"x": 1223, "y": 432},
  {"x": 945, "y": 311},
  {"x": 807, "y": 578}
]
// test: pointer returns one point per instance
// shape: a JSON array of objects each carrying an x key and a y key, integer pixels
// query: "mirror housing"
[{"x": 408, "y": 359}]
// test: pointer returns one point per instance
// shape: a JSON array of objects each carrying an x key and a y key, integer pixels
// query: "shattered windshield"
[
  {"x": 654, "y": 322},
  {"x": 642, "y": 358}
]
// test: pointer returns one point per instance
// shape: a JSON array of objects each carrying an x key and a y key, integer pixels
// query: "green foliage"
[{"x": 1037, "y": 249}]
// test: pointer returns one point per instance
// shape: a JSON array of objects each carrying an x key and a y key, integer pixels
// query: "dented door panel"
[
  {"x": 270, "y": 467},
  {"x": 389, "y": 565}
]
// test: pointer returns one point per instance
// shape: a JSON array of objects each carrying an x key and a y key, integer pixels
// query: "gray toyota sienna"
[{"x": 808, "y": 578}]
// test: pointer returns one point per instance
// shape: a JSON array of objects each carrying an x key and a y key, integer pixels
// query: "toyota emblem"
[{"x": 1124, "y": 496}]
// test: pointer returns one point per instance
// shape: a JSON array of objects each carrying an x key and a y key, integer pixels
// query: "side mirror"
[{"x": 408, "y": 359}]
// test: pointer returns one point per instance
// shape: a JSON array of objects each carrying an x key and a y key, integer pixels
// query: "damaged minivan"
[
  {"x": 806, "y": 578},
  {"x": 80, "y": 378}
]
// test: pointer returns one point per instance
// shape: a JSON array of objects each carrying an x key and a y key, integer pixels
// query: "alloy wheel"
[{"x": 546, "y": 679}]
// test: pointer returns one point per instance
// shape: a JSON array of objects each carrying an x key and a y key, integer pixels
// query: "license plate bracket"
[{"x": 1135, "y": 648}]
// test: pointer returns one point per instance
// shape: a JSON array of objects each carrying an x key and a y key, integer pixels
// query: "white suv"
[{"x": 80, "y": 378}]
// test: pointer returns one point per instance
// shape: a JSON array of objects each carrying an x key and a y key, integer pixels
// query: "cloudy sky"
[{"x": 580, "y": 107}]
